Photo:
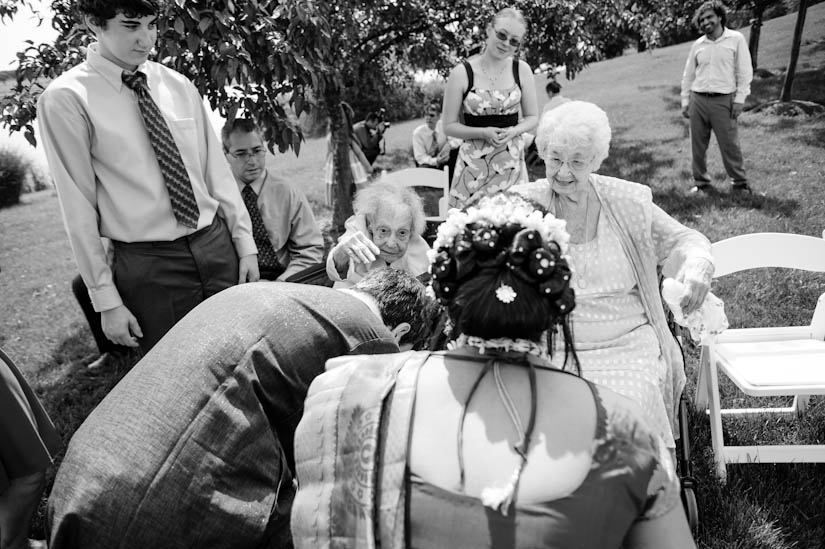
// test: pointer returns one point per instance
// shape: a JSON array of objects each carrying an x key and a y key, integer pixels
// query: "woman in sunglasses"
[{"x": 481, "y": 106}]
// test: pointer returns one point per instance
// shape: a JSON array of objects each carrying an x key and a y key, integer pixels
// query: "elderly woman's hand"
[
  {"x": 695, "y": 274},
  {"x": 356, "y": 247}
]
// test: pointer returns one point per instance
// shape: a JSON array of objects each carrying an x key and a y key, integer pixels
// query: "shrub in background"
[{"x": 14, "y": 168}]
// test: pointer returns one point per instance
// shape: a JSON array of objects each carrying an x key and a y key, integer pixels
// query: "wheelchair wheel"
[{"x": 690, "y": 505}]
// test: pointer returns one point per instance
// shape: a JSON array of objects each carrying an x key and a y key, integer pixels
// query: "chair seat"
[{"x": 766, "y": 368}]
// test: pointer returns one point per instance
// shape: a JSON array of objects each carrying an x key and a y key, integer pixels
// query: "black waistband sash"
[{"x": 494, "y": 120}]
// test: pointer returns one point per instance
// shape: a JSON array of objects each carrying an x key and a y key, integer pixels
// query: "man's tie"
[
  {"x": 266, "y": 253},
  {"x": 171, "y": 165},
  {"x": 434, "y": 145}
]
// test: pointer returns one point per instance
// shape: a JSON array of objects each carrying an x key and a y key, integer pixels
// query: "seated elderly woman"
[
  {"x": 384, "y": 232},
  {"x": 618, "y": 241},
  {"x": 487, "y": 444}
]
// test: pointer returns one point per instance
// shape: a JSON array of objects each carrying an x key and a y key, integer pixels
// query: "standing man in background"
[
  {"x": 715, "y": 83},
  {"x": 135, "y": 160},
  {"x": 285, "y": 231}
]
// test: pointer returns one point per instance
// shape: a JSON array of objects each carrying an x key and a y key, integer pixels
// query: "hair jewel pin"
[{"x": 506, "y": 294}]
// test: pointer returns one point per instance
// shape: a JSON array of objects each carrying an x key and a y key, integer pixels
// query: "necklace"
[
  {"x": 489, "y": 75},
  {"x": 579, "y": 236}
]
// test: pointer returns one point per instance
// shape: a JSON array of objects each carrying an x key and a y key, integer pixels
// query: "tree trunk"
[
  {"x": 756, "y": 30},
  {"x": 787, "y": 85},
  {"x": 342, "y": 174}
]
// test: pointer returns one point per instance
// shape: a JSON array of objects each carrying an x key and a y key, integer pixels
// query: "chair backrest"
[
  {"x": 758, "y": 250},
  {"x": 432, "y": 185}
]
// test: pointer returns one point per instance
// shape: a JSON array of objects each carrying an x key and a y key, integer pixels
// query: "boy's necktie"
[
  {"x": 174, "y": 173},
  {"x": 266, "y": 253}
]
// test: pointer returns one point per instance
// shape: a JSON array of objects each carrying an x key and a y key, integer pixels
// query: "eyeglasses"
[
  {"x": 575, "y": 165},
  {"x": 432, "y": 114},
  {"x": 504, "y": 37},
  {"x": 246, "y": 156}
]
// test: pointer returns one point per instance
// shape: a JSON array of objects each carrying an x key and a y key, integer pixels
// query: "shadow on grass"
[
  {"x": 761, "y": 504},
  {"x": 679, "y": 203},
  {"x": 808, "y": 85},
  {"x": 69, "y": 392}
]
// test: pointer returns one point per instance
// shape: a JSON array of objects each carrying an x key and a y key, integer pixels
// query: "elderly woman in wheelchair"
[
  {"x": 385, "y": 232},
  {"x": 619, "y": 242}
]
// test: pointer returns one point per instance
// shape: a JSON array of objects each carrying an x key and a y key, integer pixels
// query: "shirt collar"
[
  {"x": 256, "y": 185},
  {"x": 110, "y": 72}
]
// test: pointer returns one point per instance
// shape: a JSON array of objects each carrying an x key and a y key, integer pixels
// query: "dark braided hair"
[{"x": 491, "y": 253}]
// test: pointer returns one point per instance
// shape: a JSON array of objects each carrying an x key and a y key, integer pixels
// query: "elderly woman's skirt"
[{"x": 28, "y": 438}]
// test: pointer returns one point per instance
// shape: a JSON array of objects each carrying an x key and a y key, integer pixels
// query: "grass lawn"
[{"x": 761, "y": 506}]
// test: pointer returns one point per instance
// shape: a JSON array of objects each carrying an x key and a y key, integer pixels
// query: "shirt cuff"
[
  {"x": 245, "y": 245},
  {"x": 739, "y": 97},
  {"x": 105, "y": 298}
]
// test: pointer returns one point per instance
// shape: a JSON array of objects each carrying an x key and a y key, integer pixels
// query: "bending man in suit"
[{"x": 193, "y": 448}]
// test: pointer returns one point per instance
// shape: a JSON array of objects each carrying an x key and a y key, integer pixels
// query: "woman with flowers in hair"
[
  {"x": 490, "y": 102},
  {"x": 619, "y": 241},
  {"x": 486, "y": 444}
]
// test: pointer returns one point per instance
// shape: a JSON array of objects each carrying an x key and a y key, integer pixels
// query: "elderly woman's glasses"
[
  {"x": 575, "y": 165},
  {"x": 504, "y": 37},
  {"x": 246, "y": 156}
]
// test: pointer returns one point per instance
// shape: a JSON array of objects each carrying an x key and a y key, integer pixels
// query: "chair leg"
[
  {"x": 700, "y": 397},
  {"x": 800, "y": 404},
  {"x": 715, "y": 407}
]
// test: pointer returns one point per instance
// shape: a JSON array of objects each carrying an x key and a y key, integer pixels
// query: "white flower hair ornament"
[
  {"x": 506, "y": 294},
  {"x": 503, "y": 231}
]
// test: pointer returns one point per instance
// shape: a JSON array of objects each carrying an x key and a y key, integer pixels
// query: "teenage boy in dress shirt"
[
  {"x": 291, "y": 229},
  {"x": 110, "y": 183},
  {"x": 716, "y": 81}
]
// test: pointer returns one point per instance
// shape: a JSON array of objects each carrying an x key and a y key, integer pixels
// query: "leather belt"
[{"x": 710, "y": 94}]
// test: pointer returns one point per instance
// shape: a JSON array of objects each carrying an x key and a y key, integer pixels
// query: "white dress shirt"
[
  {"x": 107, "y": 175},
  {"x": 422, "y": 140},
  {"x": 718, "y": 66}
]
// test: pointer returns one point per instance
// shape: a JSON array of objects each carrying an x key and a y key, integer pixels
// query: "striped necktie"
[
  {"x": 267, "y": 259},
  {"x": 174, "y": 173}
]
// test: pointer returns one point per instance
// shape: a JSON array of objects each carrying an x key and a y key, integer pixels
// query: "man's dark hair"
[
  {"x": 242, "y": 125},
  {"x": 373, "y": 117},
  {"x": 101, "y": 11},
  {"x": 402, "y": 298},
  {"x": 716, "y": 7},
  {"x": 552, "y": 87}
]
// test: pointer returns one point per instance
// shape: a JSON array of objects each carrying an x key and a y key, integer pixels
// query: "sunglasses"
[{"x": 504, "y": 37}]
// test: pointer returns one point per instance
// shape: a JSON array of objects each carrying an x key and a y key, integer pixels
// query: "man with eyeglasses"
[
  {"x": 135, "y": 161},
  {"x": 431, "y": 147},
  {"x": 288, "y": 238}
]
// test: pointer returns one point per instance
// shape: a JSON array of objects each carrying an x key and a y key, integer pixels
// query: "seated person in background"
[
  {"x": 369, "y": 133},
  {"x": 385, "y": 232},
  {"x": 554, "y": 95},
  {"x": 431, "y": 147},
  {"x": 619, "y": 239},
  {"x": 28, "y": 444},
  {"x": 194, "y": 447},
  {"x": 487, "y": 444},
  {"x": 285, "y": 231}
]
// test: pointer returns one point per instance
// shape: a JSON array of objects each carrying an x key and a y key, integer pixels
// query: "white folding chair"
[
  {"x": 762, "y": 362},
  {"x": 431, "y": 184}
]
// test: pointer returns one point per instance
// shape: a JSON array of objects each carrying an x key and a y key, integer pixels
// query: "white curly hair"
[
  {"x": 370, "y": 199},
  {"x": 576, "y": 125}
]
